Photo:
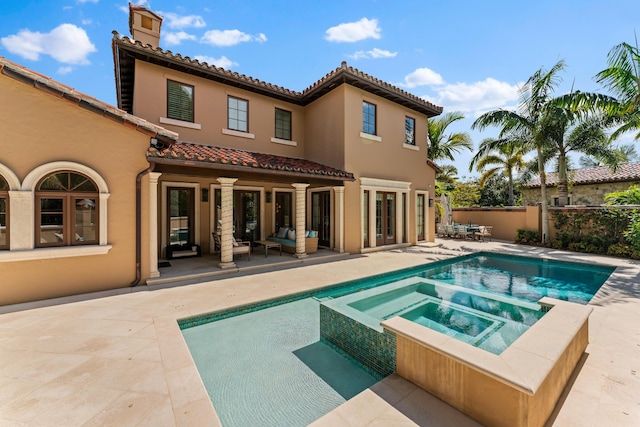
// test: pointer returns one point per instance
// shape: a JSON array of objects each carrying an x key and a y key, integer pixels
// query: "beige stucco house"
[
  {"x": 93, "y": 197},
  {"x": 587, "y": 186},
  {"x": 68, "y": 171},
  {"x": 346, "y": 157}
]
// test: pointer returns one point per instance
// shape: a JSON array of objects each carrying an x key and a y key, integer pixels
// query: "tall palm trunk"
[
  {"x": 543, "y": 189},
  {"x": 510, "y": 176},
  {"x": 563, "y": 184}
]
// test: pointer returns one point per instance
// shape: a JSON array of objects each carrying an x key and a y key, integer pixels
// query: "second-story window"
[
  {"x": 179, "y": 101},
  {"x": 238, "y": 111},
  {"x": 368, "y": 118},
  {"x": 409, "y": 130},
  {"x": 283, "y": 124}
]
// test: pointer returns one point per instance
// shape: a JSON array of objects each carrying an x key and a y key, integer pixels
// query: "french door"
[
  {"x": 321, "y": 216},
  {"x": 385, "y": 218},
  {"x": 421, "y": 217},
  {"x": 246, "y": 215},
  {"x": 284, "y": 210},
  {"x": 181, "y": 215}
]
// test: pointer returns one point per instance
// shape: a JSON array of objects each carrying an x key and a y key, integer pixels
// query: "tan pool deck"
[{"x": 121, "y": 360}]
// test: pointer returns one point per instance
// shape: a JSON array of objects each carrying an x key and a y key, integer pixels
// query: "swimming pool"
[{"x": 496, "y": 277}]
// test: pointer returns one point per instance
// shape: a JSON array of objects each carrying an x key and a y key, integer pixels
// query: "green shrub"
[
  {"x": 620, "y": 249},
  {"x": 527, "y": 236}
]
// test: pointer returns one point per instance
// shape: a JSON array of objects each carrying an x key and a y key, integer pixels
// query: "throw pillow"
[
  {"x": 282, "y": 233},
  {"x": 306, "y": 233},
  {"x": 234, "y": 242},
  {"x": 291, "y": 234},
  {"x": 312, "y": 233}
]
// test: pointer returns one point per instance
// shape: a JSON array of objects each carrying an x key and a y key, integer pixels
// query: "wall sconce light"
[
  {"x": 268, "y": 196},
  {"x": 430, "y": 203},
  {"x": 205, "y": 195}
]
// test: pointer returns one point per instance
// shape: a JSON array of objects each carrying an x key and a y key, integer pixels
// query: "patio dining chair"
[{"x": 483, "y": 232}]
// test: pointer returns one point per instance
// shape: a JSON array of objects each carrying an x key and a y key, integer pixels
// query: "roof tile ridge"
[{"x": 204, "y": 64}]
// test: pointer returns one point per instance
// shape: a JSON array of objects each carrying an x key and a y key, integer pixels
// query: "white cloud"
[
  {"x": 230, "y": 37},
  {"x": 422, "y": 77},
  {"x": 222, "y": 62},
  {"x": 354, "y": 31},
  {"x": 66, "y": 43},
  {"x": 87, "y": 21},
  {"x": 374, "y": 53},
  {"x": 175, "y": 21},
  {"x": 177, "y": 38},
  {"x": 481, "y": 96},
  {"x": 65, "y": 70},
  {"x": 87, "y": 1}
]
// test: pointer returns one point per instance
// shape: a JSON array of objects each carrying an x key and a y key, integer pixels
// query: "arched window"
[
  {"x": 4, "y": 214},
  {"x": 67, "y": 210}
]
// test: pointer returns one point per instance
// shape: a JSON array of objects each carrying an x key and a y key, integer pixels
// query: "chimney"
[{"x": 144, "y": 25}]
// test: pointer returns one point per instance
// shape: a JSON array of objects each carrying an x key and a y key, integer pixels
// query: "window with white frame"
[{"x": 238, "y": 114}]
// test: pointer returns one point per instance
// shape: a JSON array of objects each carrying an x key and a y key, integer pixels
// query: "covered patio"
[{"x": 205, "y": 199}]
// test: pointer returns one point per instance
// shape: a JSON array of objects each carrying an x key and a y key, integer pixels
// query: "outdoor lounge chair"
[
  {"x": 239, "y": 248},
  {"x": 440, "y": 230},
  {"x": 483, "y": 232}
]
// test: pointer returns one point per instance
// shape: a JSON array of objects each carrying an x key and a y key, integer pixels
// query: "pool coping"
[{"x": 526, "y": 367}]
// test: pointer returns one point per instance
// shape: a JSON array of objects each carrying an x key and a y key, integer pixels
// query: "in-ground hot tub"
[{"x": 512, "y": 373}]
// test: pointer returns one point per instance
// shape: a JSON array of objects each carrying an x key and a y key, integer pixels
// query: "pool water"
[
  {"x": 523, "y": 278},
  {"x": 482, "y": 319},
  {"x": 265, "y": 364}
]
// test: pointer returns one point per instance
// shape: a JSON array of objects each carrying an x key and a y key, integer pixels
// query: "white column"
[
  {"x": 339, "y": 218},
  {"x": 372, "y": 218},
  {"x": 153, "y": 223},
  {"x": 301, "y": 214},
  {"x": 226, "y": 238},
  {"x": 103, "y": 217},
  {"x": 22, "y": 220}
]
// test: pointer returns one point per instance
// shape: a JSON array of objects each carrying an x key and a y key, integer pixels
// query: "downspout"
[{"x": 151, "y": 167}]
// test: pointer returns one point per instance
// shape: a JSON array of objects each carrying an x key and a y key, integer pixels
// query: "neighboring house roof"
[
  {"x": 59, "y": 90},
  {"x": 624, "y": 172},
  {"x": 191, "y": 154},
  {"x": 127, "y": 50}
]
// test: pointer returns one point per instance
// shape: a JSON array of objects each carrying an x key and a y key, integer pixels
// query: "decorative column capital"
[
  {"x": 154, "y": 177},
  {"x": 226, "y": 182},
  {"x": 299, "y": 186}
]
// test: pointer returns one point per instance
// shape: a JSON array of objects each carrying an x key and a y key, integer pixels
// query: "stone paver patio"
[{"x": 121, "y": 360}]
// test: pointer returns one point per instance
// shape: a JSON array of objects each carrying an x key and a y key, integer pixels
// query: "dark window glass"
[
  {"x": 283, "y": 124},
  {"x": 67, "y": 210},
  {"x": 179, "y": 101},
  {"x": 410, "y": 131},
  {"x": 368, "y": 118}
]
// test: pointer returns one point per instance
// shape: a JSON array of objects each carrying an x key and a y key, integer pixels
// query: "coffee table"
[{"x": 268, "y": 244}]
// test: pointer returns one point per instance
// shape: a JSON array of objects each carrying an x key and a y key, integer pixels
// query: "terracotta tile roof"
[
  {"x": 230, "y": 158},
  {"x": 625, "y": 172},
  {"x": 59, "y": 90},
  {"x": 125, "y": 48}
]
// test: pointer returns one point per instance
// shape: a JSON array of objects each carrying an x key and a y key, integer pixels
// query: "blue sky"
[{"x": 467, "y": 56}]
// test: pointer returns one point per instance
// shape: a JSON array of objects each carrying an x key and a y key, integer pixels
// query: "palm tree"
[
  {"x": 567, "y": 131},
  {"x": 499, "y": 156},
  {"x": 529, "y": 123},
  {"x": 622, "y": 78},
  {"x": 624, "y": 154},
  {"x": 443, "y": 146}
]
